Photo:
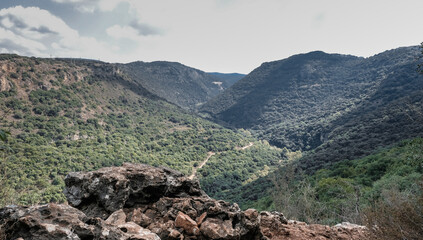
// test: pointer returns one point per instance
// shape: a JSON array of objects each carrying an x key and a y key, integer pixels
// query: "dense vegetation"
[
  {"x": 68, "y": 115},
  {"x": 346, "y": 117},
  {"x": 352, "y": 190},
  {"x": 239, "y": 166},
  {"x": 393, "y": 113},
  {"x": 298, "y": 102}
]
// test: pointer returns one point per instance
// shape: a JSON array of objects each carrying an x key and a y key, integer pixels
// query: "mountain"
[
  {"x": 393, "y": 112},
  {"x": 184, "y": 86},
  {"x": 317, "y": 98},
  {"x": 358, "y": 123},
  {"x": 78, "y": 115},
  {"x": 226, "y": 79}
]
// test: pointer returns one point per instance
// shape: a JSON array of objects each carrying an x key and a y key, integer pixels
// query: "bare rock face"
[
  {"x": 137, "y": 201},
  {"x": 213, "y": 219},
  {"x": 106, "y": 190},
  {"x": 59, "y": 221}
]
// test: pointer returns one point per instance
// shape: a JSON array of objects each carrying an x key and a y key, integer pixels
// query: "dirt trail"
[
  {"x": 194, "y": 171},
  {"x": 209, "y": 154},
  {"x": 245, "y": 147}
]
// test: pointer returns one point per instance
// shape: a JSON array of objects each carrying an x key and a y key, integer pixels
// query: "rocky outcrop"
[
  {"x": 137, "y": 201},
  {"x": 106, "y": 190},
  {"x": 59, "y": 221},
  {"x": 273, "y": 228}
]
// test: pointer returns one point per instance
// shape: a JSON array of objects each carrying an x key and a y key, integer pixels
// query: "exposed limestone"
[
  {"x": 4, "y": 84},
  {"x": 143, "y": 202}
]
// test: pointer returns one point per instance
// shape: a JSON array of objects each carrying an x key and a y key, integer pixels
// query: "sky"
[{"x": 210, "y": 35}]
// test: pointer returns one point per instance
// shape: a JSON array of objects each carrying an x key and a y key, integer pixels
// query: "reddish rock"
[
  {"x": 135, "y": 216},
  {"x": 214, "y": 228},
  {"x": 251, "y": 214},
  {"x": 185, "y": 222},
  {"x": 201, "y": 218},
  {"x": 137, "y": 232},
  {"x": 175, "y": 234},
  {"x": 116, "y": 218},
  {"x": 272, "y": 228}
]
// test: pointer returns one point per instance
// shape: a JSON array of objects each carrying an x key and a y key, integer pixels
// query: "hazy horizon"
[{"x": 228, "y": 36}]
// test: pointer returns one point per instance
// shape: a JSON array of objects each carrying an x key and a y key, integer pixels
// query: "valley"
[
  {"x": 69, "y": 115},
  {"x": 320, "y": 137}
]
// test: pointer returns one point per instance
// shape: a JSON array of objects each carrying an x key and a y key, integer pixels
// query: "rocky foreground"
[{"x": 137, "y": 201}]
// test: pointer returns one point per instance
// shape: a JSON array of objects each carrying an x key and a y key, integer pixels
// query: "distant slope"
[
  {"x": 184, "y": 86},
  {"x": 227, "y": 79},
  {"x": 303, "y": 101},
  {"x": 394, "y": 112},
  {"x": 74, "y": 115}
]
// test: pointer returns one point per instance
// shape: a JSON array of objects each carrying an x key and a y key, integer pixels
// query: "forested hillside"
[
  {"x": 394, "y": 112},
  {"x": 384, "y": 188},
  {"x": 338, "y": 106},
  {"x": 355, "y": 120},
  {"x": 184, "y": 86},
  {"x": 346, "y": 117},
  {"x": 297, "y": 102},
  {"x": 72, "y": 115}
]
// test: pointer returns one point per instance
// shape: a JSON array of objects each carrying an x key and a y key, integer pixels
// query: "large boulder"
[
  {"x": 99, "y": 193},
  {"x": 59, "y": 221}
]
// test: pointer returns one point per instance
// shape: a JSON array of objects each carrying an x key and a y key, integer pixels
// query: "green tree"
[
  {"x": 3, "y": 170},
  {"x": 3, "y": 135}
]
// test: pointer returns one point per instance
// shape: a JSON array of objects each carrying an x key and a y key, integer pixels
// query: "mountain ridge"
[
  {"x": 182, "y": 85},
  {"x": 300, "y": 90}
]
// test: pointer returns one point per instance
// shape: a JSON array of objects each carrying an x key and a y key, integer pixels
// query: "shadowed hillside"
[
  {"x": 184, "y": 86},
  {"x": 306, "y": 100}
]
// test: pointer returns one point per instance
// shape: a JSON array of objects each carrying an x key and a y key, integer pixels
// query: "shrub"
[{"x": 397, "y": 215}]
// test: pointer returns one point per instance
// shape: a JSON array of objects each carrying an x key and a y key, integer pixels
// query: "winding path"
[
  {"x": 245, "y": 147},
  {"x": 209, "y": 155},
  {"x": 194, "y": 171}
]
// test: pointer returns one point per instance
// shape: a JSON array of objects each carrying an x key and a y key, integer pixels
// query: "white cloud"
[
  {"x": 135, "y": 32},
  {"x": 13, "y": 43},
  {"x": 120, "y": 32},
  {"x": 92, "y": 5},
  {"x": 34, "y": 31},
  {"x": 68, "y": 1},
  {"x": 213, "y": 35}
]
